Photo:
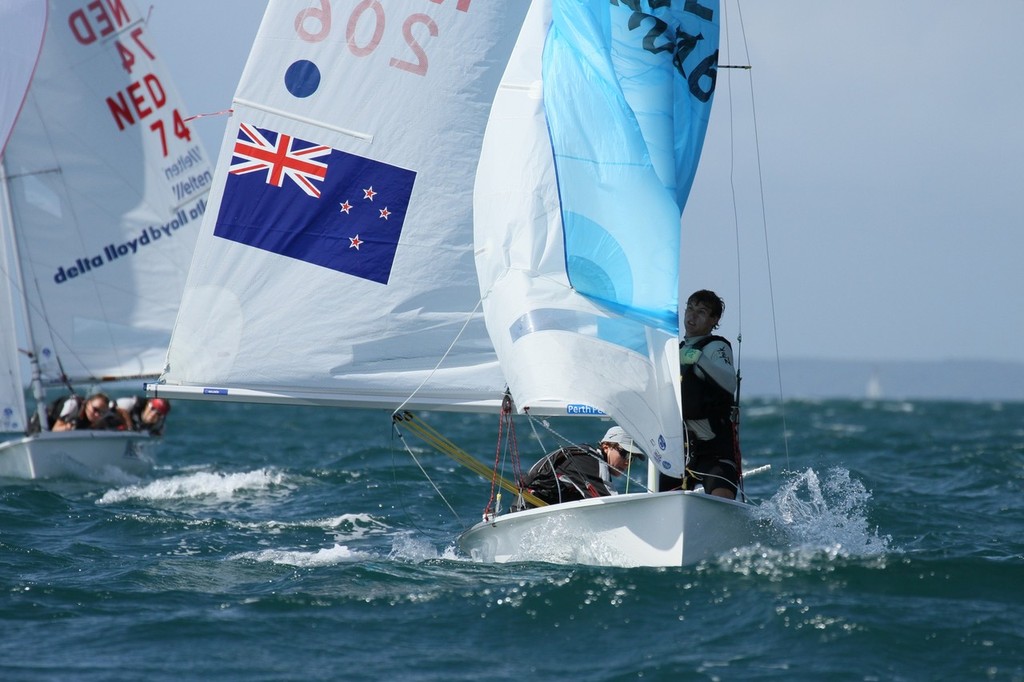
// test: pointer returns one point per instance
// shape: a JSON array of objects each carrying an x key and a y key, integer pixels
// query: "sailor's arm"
[{"x": 715, "y": 361}]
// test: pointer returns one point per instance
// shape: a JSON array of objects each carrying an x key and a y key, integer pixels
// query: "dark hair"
[
  {"x": 709, "y": 298},
  {"x": 101, "y": 396}
]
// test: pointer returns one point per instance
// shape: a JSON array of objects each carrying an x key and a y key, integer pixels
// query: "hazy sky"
[{"x": 891, "y": 142}]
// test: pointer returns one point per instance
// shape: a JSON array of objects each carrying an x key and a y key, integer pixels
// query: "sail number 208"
[{"x": 313, "y": 24}]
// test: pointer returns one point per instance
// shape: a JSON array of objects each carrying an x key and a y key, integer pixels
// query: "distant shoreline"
[{"x": 885, "y": 379}]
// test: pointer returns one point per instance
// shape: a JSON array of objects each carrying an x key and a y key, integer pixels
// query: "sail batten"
[{"x": 284, "y": 113}]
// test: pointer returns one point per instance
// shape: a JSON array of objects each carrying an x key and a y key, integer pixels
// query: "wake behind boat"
[{"x": 102, "y": 188}]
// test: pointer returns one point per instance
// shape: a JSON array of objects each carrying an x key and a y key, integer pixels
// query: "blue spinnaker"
[{"x": 627, "y": 95}]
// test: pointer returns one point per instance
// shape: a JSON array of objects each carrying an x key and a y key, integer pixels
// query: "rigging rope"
[
  {"x": 764, "y": 220},
  {"x": 469, "y": 318},
  {"x": 437, "y": 441},
  {"x": 412, "y": 454},
  {"x": 505, "y": 426}
]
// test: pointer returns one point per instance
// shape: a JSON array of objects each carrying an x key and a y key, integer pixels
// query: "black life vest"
[
  {"x": 53, "y": 411},
  {"x": 569, "y": 473},
  {"x": 703, "y": 398}
]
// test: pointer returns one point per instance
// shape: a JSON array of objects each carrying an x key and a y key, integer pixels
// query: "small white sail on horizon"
[{"x": 873, "y": 388}]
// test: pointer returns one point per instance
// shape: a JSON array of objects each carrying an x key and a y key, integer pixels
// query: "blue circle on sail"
[
  {"x": 302, "y": 78},
  {"x": 595, "y": 261}
]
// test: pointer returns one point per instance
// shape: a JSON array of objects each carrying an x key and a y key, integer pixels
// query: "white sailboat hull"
[
  {"x": 639, "y": 529},
  {"x": 85, "y": 454}
]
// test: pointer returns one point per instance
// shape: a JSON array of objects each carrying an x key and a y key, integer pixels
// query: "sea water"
[{"x": 290, "y": 543}]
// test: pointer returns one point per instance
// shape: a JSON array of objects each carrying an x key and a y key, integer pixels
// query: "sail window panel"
[{"x": 620, "y": 332}]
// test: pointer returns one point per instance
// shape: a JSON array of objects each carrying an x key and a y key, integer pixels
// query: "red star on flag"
[
  {"x": 369, "y": 193},
  {"x": 384, "y": 213},
  {"x": 345, "y": 206},
  {"x": 354, "y": 242}
]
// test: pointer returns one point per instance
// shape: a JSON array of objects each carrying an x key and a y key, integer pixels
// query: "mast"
[{"x": 38, "y": 393}]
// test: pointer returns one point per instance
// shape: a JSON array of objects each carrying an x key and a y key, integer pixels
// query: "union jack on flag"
[
  {"x": 280, "y": 159},
  {"x": 355, "y": 224}
]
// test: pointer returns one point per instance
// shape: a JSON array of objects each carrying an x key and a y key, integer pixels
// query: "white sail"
[
  {"x": 22, "y": 23},
  {"x": 107, "y": 187},
  {"x": 560, "y": 352},
  {"x": 335, "y": 263}
]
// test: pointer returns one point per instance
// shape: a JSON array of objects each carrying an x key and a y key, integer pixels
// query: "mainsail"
[
  {"x": 335, "y": 263},
  {"x": 107, "y": 186},
  {"x": 104, "y": 187},
  {"x": 564, "y": 347}
]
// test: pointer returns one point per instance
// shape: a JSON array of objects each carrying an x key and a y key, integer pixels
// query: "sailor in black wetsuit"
[
  {"x": 708, "y": 389},
  {"x": 578, "y": 472}
]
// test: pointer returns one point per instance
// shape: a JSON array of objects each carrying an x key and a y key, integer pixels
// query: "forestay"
[
  {"x": 22, "y": 23},
  {"x": 623, "y": 178},
  {"x": 335, "y": 264}
]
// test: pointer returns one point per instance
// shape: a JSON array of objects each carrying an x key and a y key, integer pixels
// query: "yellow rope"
[{"x": 430, "y": 436}]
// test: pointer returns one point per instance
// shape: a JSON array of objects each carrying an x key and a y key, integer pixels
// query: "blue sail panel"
[{"x": 627, "y": 94}]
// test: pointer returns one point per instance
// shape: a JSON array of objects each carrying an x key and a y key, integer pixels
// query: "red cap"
[{"x": 161, "y": 406}]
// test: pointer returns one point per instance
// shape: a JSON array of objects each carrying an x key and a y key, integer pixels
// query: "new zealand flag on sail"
[{"x": 314, "y": 203}]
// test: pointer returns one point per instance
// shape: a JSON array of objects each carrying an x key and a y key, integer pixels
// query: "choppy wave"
[
  {"x": 302, "y": 551},
  {"x": 217, "y": 487},
  {"x": 827, "y": 516},
  {"x": 305, "y": 558}
]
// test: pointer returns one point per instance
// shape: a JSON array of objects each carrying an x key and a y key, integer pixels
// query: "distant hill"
[{"x": 952, "y": 380}]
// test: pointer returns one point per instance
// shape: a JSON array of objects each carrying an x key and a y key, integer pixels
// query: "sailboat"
[
  {"x": 102, "y": 188},
  {"x": 590, "y": 317},
  {"x": 873, "y": 388},
  {"x": 410, "y": 262}
]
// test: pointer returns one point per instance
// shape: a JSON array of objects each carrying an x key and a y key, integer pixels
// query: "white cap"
[{"x": 618, "y": 435}]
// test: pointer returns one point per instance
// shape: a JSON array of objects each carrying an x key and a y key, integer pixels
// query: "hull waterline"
[
  {"x": 77, "y": 454},
  {"x": 641, "y": 529}
]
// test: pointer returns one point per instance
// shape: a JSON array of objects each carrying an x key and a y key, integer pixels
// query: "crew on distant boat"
[
  {"x": 145, "y": 414},
  {"x": 96, "y": 412},
  {"x": 62, "y": 408},
  {"x": 708, "y": 390},
  {"x": 579, "y": 472}
]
